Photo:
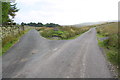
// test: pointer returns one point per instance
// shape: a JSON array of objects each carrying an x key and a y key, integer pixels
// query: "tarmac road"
[{"x": 36, "y": 57}]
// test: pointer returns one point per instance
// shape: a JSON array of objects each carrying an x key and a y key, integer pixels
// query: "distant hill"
[
  {"x": 87, "y": 24},
  {"x": 92, "y": 23}
]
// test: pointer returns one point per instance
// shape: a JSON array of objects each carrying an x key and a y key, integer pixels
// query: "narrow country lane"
[{"x": 36, "y": 57}]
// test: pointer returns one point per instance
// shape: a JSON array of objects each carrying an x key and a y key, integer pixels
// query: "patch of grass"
[
  {"x": 100, "y": 36},
  {"x": 100, "y": 43},
  {"x": 8, "y": 45},
  {"x": 112, "y": 54}
]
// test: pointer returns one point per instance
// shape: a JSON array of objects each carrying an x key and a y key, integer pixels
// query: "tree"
[
  {"x": 39, "y": 24},
  {"x": 13, "y": 10},
  {"x": 8, "y": 9},
  {"x": 5, "y": 11},
  {"x": 22, "y": 24},
  {"x": 51, "y": 25}
]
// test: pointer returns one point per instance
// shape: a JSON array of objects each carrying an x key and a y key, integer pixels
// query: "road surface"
[{"x": 36, "y": 57}]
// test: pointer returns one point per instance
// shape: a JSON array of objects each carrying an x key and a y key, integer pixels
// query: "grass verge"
[
  {"x": 9, "y": 41},
  {"x": 110, "y": 45}
]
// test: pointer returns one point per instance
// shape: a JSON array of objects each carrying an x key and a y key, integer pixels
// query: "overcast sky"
[{"x": 66, "y": 12}]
